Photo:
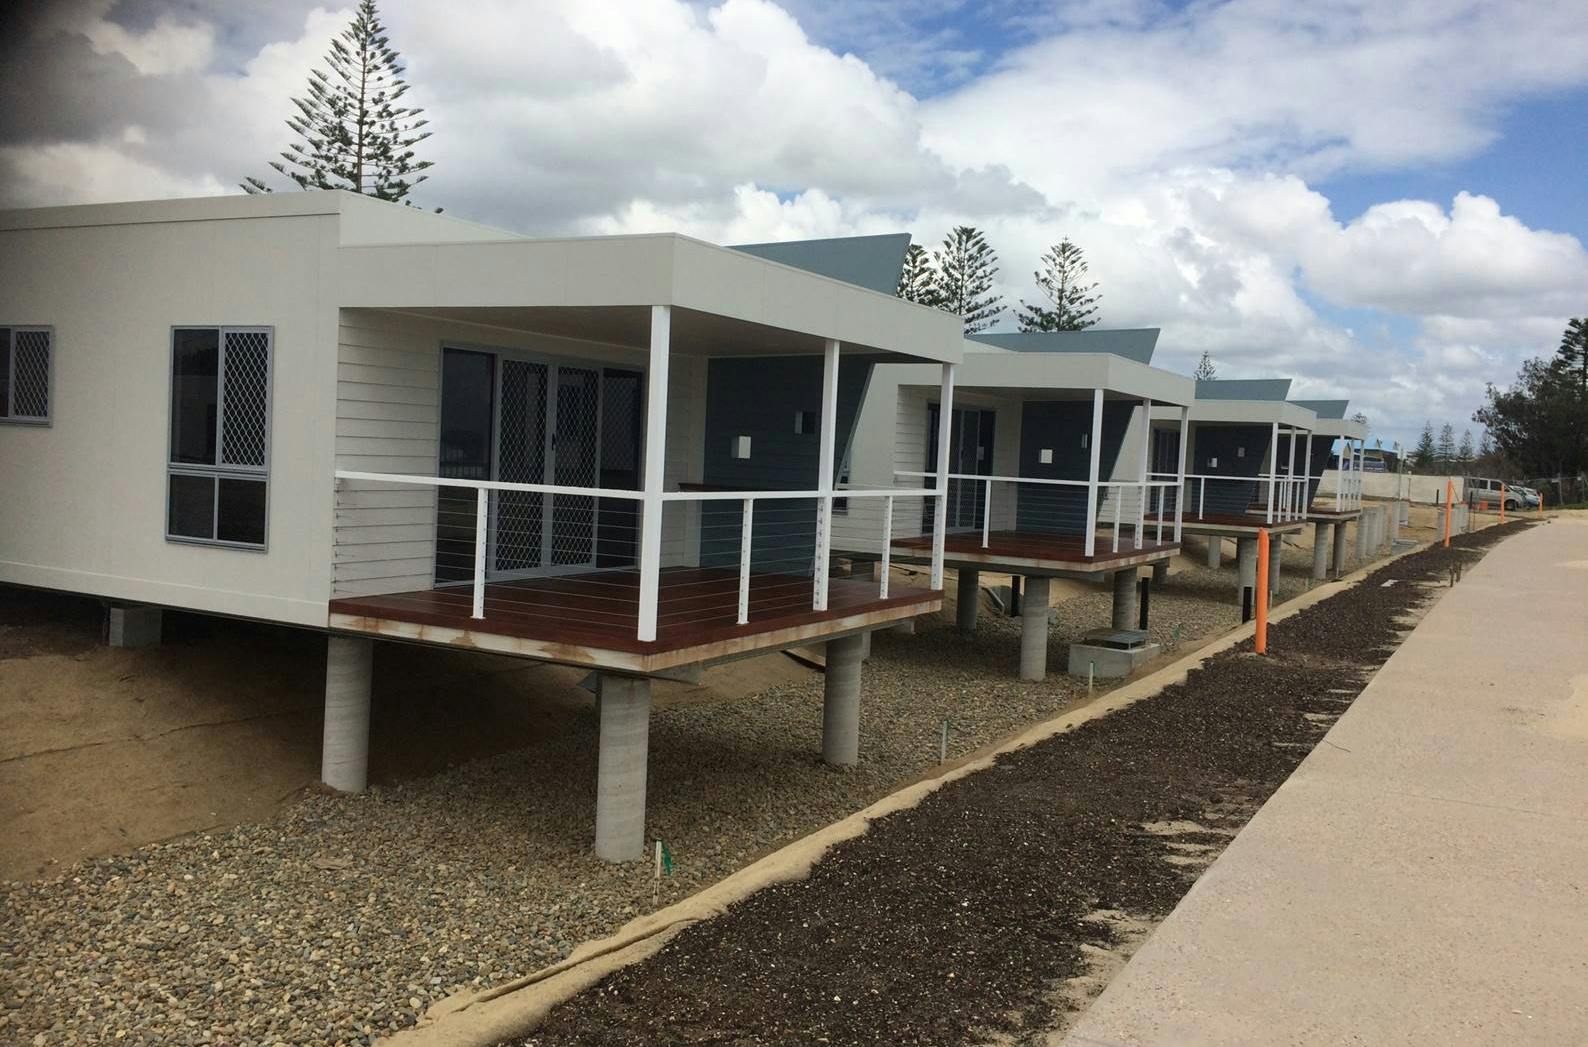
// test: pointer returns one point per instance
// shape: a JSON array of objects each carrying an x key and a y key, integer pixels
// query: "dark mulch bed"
[{"x": 958, "y": 919}]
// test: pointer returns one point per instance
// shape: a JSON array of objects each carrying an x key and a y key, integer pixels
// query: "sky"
[{"x": 1382, "y": 201}]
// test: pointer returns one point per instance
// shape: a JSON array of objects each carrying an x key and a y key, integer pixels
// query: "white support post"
[
  {"x": 1290, "y": 475},
  {"x": 655, "y": 461},
  {"x": 824, "y": 474},
  {"x": 1273, "y": 468},
  {"x": 945, "y": 420},
  {"x": 482, "y": 503},
  {"x": 1141, "y": 501},
  {"x": 1091, "y": 476},
  {"x": 1202, "y": 495},
  {"x": 1305, "y": 501},
  {"x": 986, "y": 512},
  {"x": 887, "y": 547},
  {"x": 746, "y": 523},
  {"x": 1339, "y": 475},
  {"x": 1180, "y": 491}
]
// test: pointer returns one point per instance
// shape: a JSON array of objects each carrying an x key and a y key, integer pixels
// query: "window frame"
[
  {"x": 218, "y": 471},
  {"x": 11, "y": 417}
]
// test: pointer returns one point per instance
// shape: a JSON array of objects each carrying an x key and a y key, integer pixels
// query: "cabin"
[
  {"x": 1036, "y": 485},
  {"x": 324, "y": 411},
  {"x": 1330, "y": 513},
  {"x": 1242, "y": 474}
]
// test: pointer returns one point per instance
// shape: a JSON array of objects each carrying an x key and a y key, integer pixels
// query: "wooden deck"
[
  {"x": 1232, "y": 525},
  {"x": 1031, "y": 551},
  {"x": 591, "y": 618}
]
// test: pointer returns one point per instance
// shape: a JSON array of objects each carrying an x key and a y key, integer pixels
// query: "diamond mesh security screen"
[
  {"x": 30, "y": 382},
  {"x": 246, "y": 392},
  {"x": 521, "y": 438},
  {"x": 577, "y": 448}
]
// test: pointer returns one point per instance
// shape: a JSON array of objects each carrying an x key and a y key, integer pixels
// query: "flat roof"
[
  {"x": 1132, "y": 343},
  {"x": 1056, "y": 376}
]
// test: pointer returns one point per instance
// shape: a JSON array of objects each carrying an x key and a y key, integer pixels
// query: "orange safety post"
[
  {"x": 1502, "y": 502},
  {"x": 1261, "y": 636},
  {"x": 1450, "y": 498}
]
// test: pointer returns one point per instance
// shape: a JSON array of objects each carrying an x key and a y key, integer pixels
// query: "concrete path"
[{"x": 1423, "y": 877}]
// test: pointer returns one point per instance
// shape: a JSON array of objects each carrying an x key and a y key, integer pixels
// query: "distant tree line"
[
  {"x": 959, "y": 277},
  {"x": 1442, "y": 455},
  {"x": 1539, "y": 423}
]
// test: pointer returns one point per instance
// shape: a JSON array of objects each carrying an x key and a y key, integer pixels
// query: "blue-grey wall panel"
[
  {"x": 1060, "y": 426},
  {"x": 759, "y": 397},
  {"x": 1240, "y": 450}
]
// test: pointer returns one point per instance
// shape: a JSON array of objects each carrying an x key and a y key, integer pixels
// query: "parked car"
[{"x": 1485, "y": 492}]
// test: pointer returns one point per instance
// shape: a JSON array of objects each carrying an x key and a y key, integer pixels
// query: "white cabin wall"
[{"x": 84, "y": 504}]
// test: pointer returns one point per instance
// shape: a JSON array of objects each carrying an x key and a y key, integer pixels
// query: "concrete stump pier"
[
  {"x": 1339, "y": 549},
  {"x": 1160, "y": 573},
  {"x": 969, "y": 599},
  {"x": 1362, "y": 526},
  {"x": 135, "y": 626},
  {"x": 344, "y": 745},
  {"x": 1320, "y": 551},
  {"x": 1125, "y": 599},
  {"x": 621, "y": 767},
  {"x": 1215, "y": 552},
  {"x": 1034, "y": 629},
  {"x": 841, "y": 703},
  {"x": 1276, "y": 556},
  {"x": 1245, "y": 568}
]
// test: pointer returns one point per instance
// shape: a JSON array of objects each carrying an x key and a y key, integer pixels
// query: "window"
[
  {"x": 25, "y": 374},
  {"x": 219, "y": 466}
]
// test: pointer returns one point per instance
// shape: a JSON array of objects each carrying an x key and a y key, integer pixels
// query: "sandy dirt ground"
[{"x": 105, "y": 749}]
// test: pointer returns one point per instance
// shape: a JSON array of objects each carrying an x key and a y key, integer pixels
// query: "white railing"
[
  {"x": 788, "y": 526},
  {"x": 1284, "y": 498},
  {"x": 1109, "y": 497},
  {"x": 1348, "y": 479}
]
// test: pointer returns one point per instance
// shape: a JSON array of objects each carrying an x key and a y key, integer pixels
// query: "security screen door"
[
  {"x": 525, "y": 419},
  {"x": 970, "y": 443}
]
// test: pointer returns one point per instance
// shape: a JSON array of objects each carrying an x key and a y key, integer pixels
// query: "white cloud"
[
  {"x": 97, "y": 173},
  {"x": 165, "y": 48}
]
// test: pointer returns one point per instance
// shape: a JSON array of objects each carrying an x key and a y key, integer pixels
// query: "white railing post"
[
  {"x": 1202, "y": 495},
  {"x": 1290, "y": 476},
  {"x": 887, "y": 547},
  {"x": 1113, "y": 502},
  {"x": 945, "y": 419},
  {"x": 1339, "y": 475},
  {"x": 746, "y": 525},
  {"x": 482, "y": 517},
  {"x": 824, "y": 474},
  {"x": 655, "y": 462},
  {"x": 1273, "y": 468},
  {"x": 986, "y": 513},
  {"x": 1091, "y": 476},
  {"x": 1180, "y": 491}
]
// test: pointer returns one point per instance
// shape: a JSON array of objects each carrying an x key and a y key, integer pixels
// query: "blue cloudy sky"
[{"x": 1384, "y": 201}]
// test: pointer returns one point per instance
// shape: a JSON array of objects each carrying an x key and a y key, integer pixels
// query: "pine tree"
[
  {"x": 1426, "y": 452},
  {"x": 1485, "y": 447},
  {"x": 355, "y": 134},
  {"x": 1464, "y": 453},
  {"x": 917, "y": 281},
  {"x": 1072, "y": 302},
  {"x": 1205, "y": 371},
  {"x": 1447, "y": 448},
  {"x": 1573, "y": 353},
  {"x": 965, "y": 269}
]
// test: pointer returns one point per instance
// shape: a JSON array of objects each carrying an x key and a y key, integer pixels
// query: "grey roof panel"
[
  {"x": 1134, "y": 343},
  {"x": 872, "y": 262},
  {"x": 1324, "y": 408},
  {"x": 1243, "y": 388}
]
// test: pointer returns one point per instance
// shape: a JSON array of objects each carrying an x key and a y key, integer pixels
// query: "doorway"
[
  {"x": 970, "y": 452},
  {"x": 525, "y": 418}
]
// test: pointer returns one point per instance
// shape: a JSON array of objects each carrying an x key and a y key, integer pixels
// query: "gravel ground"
[
  {"x": 346, "y": 916},
  {"x": 965, "y": 919}
]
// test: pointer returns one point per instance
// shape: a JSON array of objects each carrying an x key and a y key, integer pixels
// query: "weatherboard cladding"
[
  {"x": 759, "y": 398},
  {"x": 1059, "y": 426},
  {"x": 1240, "y": 450},
  {"x": 872, "y": 262},
  {"x": 1135, "y": 344}
]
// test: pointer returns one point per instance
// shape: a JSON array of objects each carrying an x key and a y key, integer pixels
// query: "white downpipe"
[
  {"x": 1202, "y": 495},
  {"x": 887, "y": 546},
  {"x": 655, "y": 462},
  {"x": 945, "y": 419},
  {"x": 746, "y": 529},
  {"x": 1179, "y": 491},
  {"x": 1339, "y": 476},
  {"x": 1114, "y": 503},
  {"x": 1141, "y": 500},
  {"x": 824, "y": 474},
  {"x": 1091, "y": 476},
  {"x": 1290, "y": 476},
  {"x": 1306, "y": 480},
  {"x": 986, "y": 513},
  {"x": 1273, "y": 467},
  {"x": 482, "y": 503}
]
